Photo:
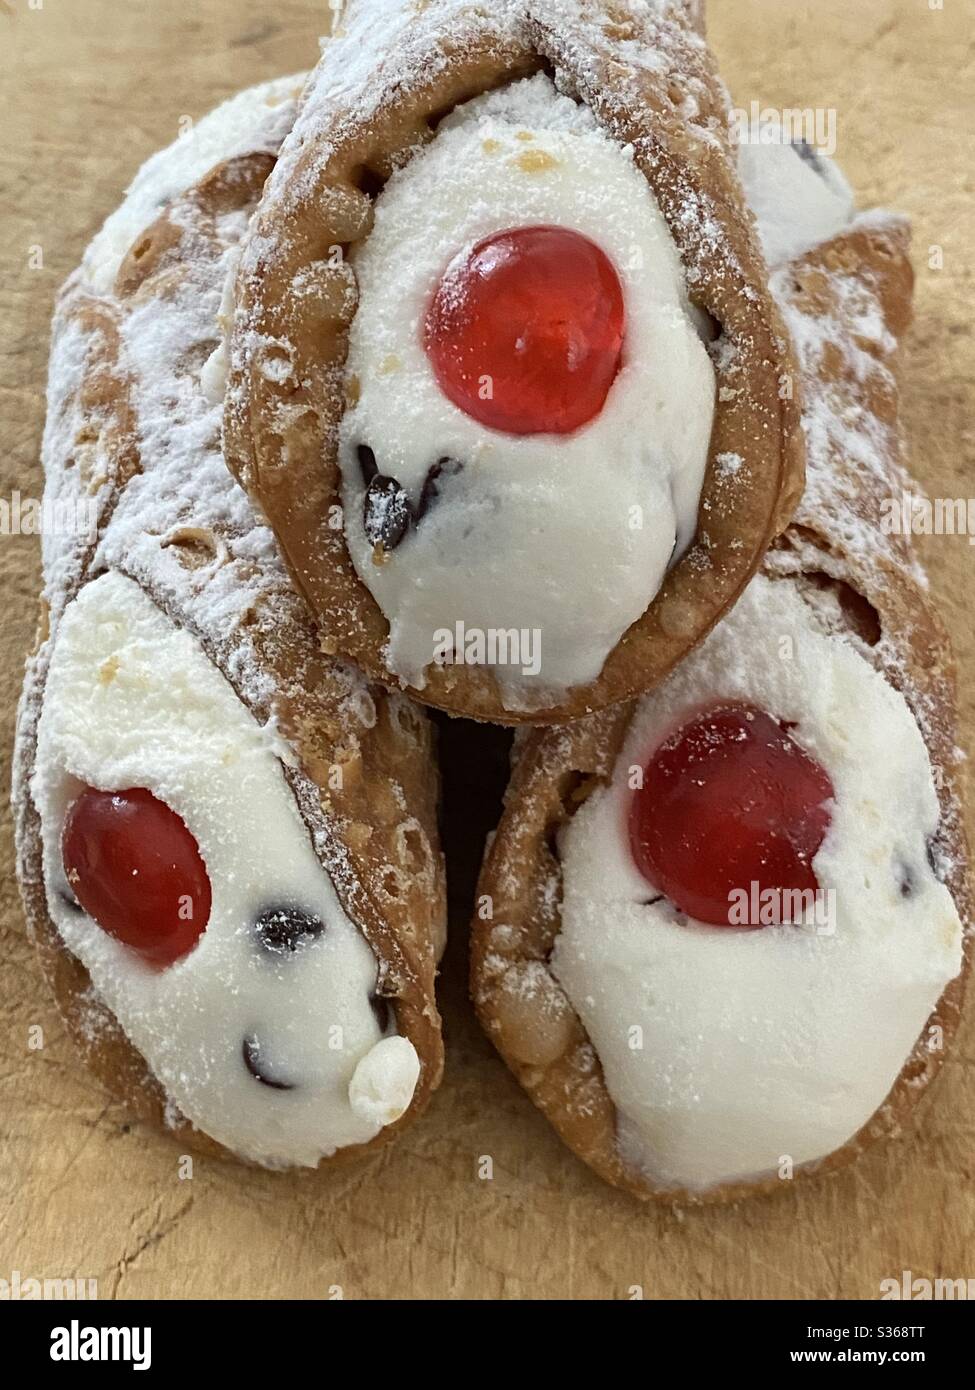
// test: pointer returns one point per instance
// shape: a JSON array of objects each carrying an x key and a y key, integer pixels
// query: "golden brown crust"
[
  {"x": 519, "y": 1002},
  {"x": 375, "y": 827},
  {"x": 281, "y": 426}
]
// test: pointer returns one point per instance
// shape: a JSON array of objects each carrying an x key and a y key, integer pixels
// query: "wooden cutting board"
[{"x": 90, "y": 88}]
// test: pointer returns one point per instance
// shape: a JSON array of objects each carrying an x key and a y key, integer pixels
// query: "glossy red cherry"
[
  {"x": 728, "y": 801},
  {"x": 133, "y": 866},
  {"x": 525, "y": 336}
]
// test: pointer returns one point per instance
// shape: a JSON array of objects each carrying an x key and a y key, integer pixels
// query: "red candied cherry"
[
  {"x": 525, "y": 336},
  {"x": 728, "y": 801},
  {"x": 133, "y": 866}
]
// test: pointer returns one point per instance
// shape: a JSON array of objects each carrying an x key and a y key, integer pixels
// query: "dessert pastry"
[
  {"x": 506, "y": 376},
  {"x": 720, "y": 932},
  {"x": 227, "y": 840}
]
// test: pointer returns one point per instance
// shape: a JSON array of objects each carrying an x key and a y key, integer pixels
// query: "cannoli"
[
  {"x": 720, "y": 933},
  {"x": 501, "y": 324},
  {"x": 227, "y": 840}
]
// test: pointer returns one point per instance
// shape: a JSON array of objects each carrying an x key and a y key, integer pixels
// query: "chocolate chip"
[
  {"x": 367, "y": 463},
  {"x": 381, "y": 1009},
  {"x": 282, "y": 929},
  {"x": 809, "y": 155},
  {"x": 934, "y": 859},
  {"x": 251, "y": 1052},
  {"x": 386, "y": 512},
  {"x": 443, "y": 468},
  {"x": 906, "y": 881}
]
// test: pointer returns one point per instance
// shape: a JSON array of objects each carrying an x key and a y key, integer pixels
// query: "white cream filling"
[
  {"x": 131, "y": 700},
  {"x": 383, "y": 1083},
  {"x": 569, "y": 537},
  {"x": 729, "y": 1053},
  {"x": 798, "y": 201}
]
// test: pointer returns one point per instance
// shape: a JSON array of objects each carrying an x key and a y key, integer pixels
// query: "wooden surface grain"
[{"x": 88, "y": 89}]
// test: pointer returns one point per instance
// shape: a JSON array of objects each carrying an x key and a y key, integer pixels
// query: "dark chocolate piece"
[
  {"x": 809, "y": 155},
  {"x": 283, "y": 929},
  {"x": 386, "y": 512},
  {"x": 251, "y": 1052},
  {"x": 367, "y": 463},
  {"x": 381, "y": 1009},
  {"x": 443, "y": 468},
  {"x": 935, "y": 859},
  {"x": 905, "y": 880}
]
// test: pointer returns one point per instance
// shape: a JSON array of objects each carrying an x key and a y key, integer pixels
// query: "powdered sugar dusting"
[
  {"x": 255, "y": 120},
  {"x": 853, "y": 454}
]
